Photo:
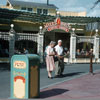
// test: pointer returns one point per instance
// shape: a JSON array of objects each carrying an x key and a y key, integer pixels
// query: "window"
[
  {"x": 45, "y": 11},
  {"x": 23, "y": 8},
  {"x": 30, "y": 9},
  {"x": 39, "y": 11}
]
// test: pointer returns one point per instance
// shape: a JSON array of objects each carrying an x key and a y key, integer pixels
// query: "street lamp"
[
  {"x": 12, "y": 31},
  {"x": 11, "y": 41},
  {"x": 12, "y": 25},
  {"x": 96, "y": 32},
  {"x": 58, "y": 13},
  {"x": 73, "y": 29},
  {"x": 40, "y": 29}
]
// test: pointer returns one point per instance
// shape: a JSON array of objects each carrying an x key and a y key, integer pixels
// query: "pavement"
[
  {"x": 76, "y": 83},
  {"x": 84, "y": 87}
]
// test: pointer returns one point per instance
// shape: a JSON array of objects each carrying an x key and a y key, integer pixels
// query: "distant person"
[
  {"x": 91, "y": 50},
  {"x": 78, "y": 52},
  {"x": 59, "y": 64},
  {"x": 50, "y": 59},
  {"x": 25, "y": 51},
  {"x": 6, "y": 51},
  {"x": 82, "y": 52}
]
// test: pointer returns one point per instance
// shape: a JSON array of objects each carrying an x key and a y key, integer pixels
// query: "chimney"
[{"x": 47, "y": 2}]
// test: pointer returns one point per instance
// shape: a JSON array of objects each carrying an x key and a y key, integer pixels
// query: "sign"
[
  {"x": 57, "y": 24},
  {"x": 20, "y": 64}
]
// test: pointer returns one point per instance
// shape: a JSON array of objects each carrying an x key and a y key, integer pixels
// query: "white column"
[
  {"x": 72, "y": 48},
  {"x": 40, "y": 44},
  {"x": 96, "y": 48},
  {"x": 11, "y": 42}
]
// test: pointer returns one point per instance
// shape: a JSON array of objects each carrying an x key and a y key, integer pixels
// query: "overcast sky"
[{"x": 71, "y": 5}]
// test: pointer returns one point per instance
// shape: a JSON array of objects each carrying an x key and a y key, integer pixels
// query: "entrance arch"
[
  {"x": 74, "y": 39},
  {"x": 55, "y": 36},
  {"x": 48, "y": 27}
]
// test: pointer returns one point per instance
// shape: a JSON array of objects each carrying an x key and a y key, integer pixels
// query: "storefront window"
[
  {"x": 45, "y": 11},
  {"x": 30, "y": 9},
  {"x": 39, "y": 11},
  {"x": 23, "y": 8}
]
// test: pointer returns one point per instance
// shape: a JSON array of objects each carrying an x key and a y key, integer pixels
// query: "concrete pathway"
[
  {"x": 85, "y": 87},
  {"x": 71, "y": 72}
]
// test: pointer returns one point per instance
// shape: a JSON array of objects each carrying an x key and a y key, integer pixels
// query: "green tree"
[{"x": 95, "y": 4}]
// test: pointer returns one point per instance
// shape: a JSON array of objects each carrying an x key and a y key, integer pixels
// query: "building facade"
[
  {"x": 40, "y": 8},
  {"x": 26, "y": 30}
]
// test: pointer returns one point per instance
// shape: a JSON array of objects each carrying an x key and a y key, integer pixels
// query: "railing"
[
  {"x": 20, "y": 36},
  {"x": 4, "y": 35}
]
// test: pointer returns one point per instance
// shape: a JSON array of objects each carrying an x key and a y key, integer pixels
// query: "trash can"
[{"x": 25, "y": 76}]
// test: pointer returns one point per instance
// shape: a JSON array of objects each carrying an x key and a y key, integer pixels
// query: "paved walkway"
[
  {"x": 71, "y": 72},
  {"x": 84, "y": 87}
]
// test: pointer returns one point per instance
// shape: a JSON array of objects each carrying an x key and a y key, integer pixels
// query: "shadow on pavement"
[
  {"x": 72, "y": 74},
  {"x": 4, "y": 67},
  {"x": 52, "y": 92}
]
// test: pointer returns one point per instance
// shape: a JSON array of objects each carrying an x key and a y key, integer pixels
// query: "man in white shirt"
[{"x": 59, "y": 63}]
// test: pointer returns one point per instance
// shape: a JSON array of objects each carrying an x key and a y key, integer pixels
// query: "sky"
[{"x": 71, "y": 5}]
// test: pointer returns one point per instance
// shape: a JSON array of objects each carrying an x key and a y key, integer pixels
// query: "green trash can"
[{"x": 25, "y": 76}]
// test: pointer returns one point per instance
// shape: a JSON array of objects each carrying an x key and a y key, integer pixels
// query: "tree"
[{"x": 95, "y": 4}]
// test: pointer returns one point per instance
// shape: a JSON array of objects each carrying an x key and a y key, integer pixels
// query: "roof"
[
  {"x": 31, "y": 4},
  {"x": 7, "y": 16}
]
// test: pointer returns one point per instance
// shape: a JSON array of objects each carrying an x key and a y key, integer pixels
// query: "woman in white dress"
[{"x": 50, "y": 59}]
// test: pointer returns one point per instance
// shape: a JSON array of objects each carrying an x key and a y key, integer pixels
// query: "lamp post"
[
  {"x": 40, "y": 43},
  {"x": 11, "y": 41},
  {"x": 58, "y": 13},
  {"x": 40, "y": 29},
  {"x": 73, "y": 31},
  {"x": 96, "y": 32},
  {"x": 73, "y": 46},
  {"x": 12, "y": 28},
  {"x": 12, "y": 35},
  {"x": 12, "y": 25}
]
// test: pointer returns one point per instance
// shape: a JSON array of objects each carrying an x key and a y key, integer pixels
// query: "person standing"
[
  {"x": 50, "y": 59},
  {"x": 59, "y": 63}
]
